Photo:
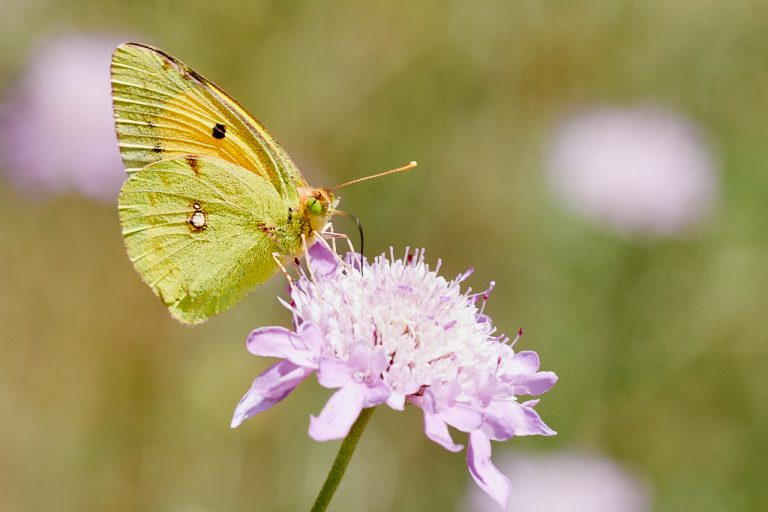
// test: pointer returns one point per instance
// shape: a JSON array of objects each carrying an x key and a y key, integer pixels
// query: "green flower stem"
[{"x": 342, "y": 460}]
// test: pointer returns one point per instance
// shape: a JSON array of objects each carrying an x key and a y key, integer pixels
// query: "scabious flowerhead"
[{"x": 399, "y": 333}]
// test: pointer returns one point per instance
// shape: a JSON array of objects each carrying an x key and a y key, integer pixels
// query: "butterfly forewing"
[
  {"x": 164, "y": 110},
  {"x": 200, "y": 231}
]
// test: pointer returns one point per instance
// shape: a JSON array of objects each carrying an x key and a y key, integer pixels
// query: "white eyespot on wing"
[{"x": 199, "y": 219}]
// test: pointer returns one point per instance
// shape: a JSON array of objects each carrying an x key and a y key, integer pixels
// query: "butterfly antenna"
[
  {"x": 406, "y": 167},
  {"x": 360, "y": 230}
]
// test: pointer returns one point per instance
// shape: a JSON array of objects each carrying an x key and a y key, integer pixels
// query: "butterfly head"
[{"x": 319, "y": 204}]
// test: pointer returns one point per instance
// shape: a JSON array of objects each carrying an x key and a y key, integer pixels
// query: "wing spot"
[
  {"x": 199, "y": 219},
  {"x": 158, "y": 148},
  {"x": 219, "y": 131}
]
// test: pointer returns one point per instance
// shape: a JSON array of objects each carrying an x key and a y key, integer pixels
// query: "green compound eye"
[{"x": 314, "y": 206}]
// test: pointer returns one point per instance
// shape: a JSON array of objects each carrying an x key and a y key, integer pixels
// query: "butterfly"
[{"x": 212, "y": 204}]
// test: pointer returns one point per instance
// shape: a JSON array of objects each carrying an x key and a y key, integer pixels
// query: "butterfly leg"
[
  {"x": 334, "y": 236},
  {"x": 306, "y": 255},
  {"x": 278, "y": 259}
]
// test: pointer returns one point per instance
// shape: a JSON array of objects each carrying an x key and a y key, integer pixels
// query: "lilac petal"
[
  {"x": 486, "y": 475},
  {"x": 322, "y": 260},
  {"x": 269, "y": 388},
  {"x": 338, "y": 415},
  {"x": 524, "y": 376},
  {"x": 271, "y": 341},
  {"x": 396, "y": 401},
  {"x": 278, "y": 342},
  {"x": 313, "y": 338},
  {"x": 446, "y": 390},
  {"x": 524, "y": 362},
  {"x": 535, "y": 384},
  {"x": 506, "y": 418},
  {"x": 334, "y": 373},
  {"x": 379, "y": 361},
  {"x": 360, "y": 357},
  {"x": 434, "y": 426},
  {"x": 376, "y": 394},
  {"x": 437, "y": 430},
  {"x": 462, "y": 417},
  {"x": 428, "y": 401}
]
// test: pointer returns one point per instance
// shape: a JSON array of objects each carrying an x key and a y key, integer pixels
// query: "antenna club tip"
[{"x": 413, "y": 163}]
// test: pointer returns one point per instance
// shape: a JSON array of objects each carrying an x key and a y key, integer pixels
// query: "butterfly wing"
[
  {"x": 201, "y": 232},
  {"x": 165, "y": 110}
]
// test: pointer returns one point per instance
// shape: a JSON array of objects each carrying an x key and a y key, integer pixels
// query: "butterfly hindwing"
[
  {"x": 201, "y": 232},
  {"x": 164, "y": 110}
]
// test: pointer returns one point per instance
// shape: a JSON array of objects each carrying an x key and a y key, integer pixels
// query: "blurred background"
[{"x": 604, "y": 162}]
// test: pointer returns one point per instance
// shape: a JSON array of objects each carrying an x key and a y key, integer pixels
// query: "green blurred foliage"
[{"x": 661, "y": 347}]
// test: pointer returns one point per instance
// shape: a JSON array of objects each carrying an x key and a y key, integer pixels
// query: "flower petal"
[
  {"x": 534, "y": 384},
  {"x": 281, "y": 342},
  {"x": 376, "y": 394},
  {"x": 269, "y": 388},
  {"x": 334, "y": 373},
  {"x": 462, "y": 417},
  {"x": 379, "y": 361},
  {"x": 434, "y": 426},
  {"x": 396, "y": 401},
  {"x": 338, "y": 415},
  {"x": 524, "y": 362},
  {"x": 312, "y": 337},
  {"x": 523, "y": 375},
  {"x": 322, "y": 260},
  {"x": 437, "y": 430},
  {"x": 486, "y": 475},
  {"x": 506, "y": 418}
]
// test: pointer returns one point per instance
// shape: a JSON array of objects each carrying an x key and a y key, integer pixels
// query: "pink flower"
[
  {"x": 565, "y": 482},
  {"x": 399, "y": 333},
  {"x": 636, "y": 171},
  {"x": 58, "y": 133}
]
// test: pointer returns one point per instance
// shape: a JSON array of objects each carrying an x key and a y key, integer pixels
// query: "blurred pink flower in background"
[
  {"x": 564, "y": 482},
  {"x": 58, "y": 132},
  {"x": 638, "y": 171}
]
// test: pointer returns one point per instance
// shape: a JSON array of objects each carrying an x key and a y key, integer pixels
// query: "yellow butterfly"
[{"x": 212, "y": 204}]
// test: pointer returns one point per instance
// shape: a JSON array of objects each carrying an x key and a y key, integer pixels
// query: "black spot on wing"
[
  {"x": 158, "y": 148},
  {"x": 219, "y": 131}
]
